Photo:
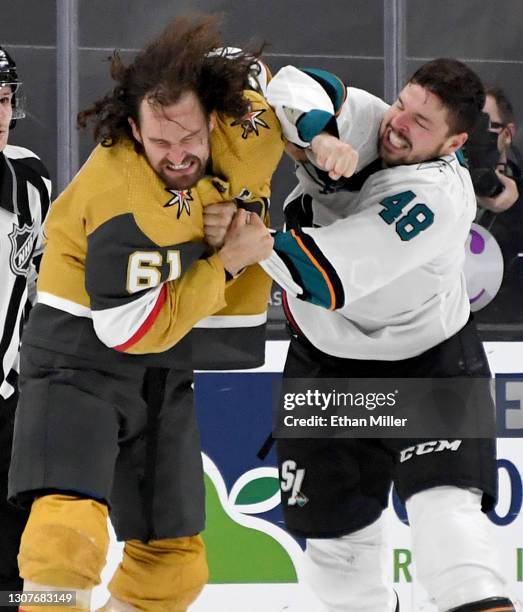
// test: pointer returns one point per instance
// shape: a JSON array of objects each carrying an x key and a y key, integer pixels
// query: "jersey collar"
[{"x": 7, "y": 196}]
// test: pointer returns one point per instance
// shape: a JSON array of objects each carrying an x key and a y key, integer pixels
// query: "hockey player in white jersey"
[{"x": 372, "y": 268}]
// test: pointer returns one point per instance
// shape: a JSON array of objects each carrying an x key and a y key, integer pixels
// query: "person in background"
[
  {"x": 502, "y": 216},
  {"x": 105, "y": 423},
  {"x": 25, "y": 190},
  {"x": 502, "y": 122}
]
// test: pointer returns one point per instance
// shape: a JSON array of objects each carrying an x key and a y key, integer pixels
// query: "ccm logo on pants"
[{"x": 434, "y": 446}]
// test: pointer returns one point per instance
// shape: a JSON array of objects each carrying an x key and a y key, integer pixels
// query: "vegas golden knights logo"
[
  {"x": 182, "y": 199},
  {"x": 251, "y": 123}
]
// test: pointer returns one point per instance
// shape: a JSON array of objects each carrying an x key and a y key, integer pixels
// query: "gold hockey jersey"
[{"x": 126, "y": 273}]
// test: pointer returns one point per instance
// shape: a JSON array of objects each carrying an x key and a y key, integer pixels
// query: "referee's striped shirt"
[{"x": 25, "y": 191}]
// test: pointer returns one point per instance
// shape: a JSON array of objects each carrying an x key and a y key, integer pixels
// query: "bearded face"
[{"x": 175, "y": 139}]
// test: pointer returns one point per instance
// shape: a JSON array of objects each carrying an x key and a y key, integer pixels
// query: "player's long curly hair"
[{"x": 181, "y": 59}]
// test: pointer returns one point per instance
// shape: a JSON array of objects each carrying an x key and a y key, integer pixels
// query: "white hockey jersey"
[{"x": 374, "y": 267}]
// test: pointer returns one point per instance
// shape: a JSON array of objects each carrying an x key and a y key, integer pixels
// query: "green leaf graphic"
[
  {"x": 258, "y": 490},
  {"x": 238, "y": 554}
]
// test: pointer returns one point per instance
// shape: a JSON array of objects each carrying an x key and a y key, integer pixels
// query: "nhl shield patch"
[{"x": 22, "y": 240}]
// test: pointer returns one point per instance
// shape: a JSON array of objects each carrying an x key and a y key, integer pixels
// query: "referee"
[{"x": 25, "y": 191}]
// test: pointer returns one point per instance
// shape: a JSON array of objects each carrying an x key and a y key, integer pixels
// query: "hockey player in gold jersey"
[{"x": 130, "y": 300}]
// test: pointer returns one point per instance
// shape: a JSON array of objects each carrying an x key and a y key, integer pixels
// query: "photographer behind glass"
[
  {"x": 495, "y": 166},
  {"x": 494, "y": 171}
]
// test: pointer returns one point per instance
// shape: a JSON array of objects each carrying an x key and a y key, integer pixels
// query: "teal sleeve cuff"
[{"x": 313, "y": 123}]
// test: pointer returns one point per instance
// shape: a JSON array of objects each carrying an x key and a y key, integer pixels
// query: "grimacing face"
[
  {"x": 415, "y": 128},
  {"x": 6, "y": 114},
  {"x": 175, "y": 139}
]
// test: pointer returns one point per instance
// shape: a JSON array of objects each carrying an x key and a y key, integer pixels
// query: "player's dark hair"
[
  {"x": 505, "y": 108},
  {"x": 178, "y": 61},
  {"x": 458, "y": 87}
]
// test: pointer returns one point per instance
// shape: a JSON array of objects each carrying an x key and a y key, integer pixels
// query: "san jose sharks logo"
[
  {"x": 182, "y": 198},
  {"x": 21, "y": 239},
  {"x": 250, "y": 122}
]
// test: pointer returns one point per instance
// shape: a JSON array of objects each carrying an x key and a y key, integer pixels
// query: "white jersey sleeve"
[
  {"x": 311, "y": 101},
  {"x": 404, "y": 218}
]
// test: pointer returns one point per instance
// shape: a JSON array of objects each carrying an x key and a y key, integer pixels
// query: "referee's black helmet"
[{"x": 9, "y": 76}]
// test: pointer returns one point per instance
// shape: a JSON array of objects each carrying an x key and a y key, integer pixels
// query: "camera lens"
[{"x": 486, "y": 182}]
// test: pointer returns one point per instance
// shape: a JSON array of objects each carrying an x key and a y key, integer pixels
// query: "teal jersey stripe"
[{"x": 312, "y": 282}]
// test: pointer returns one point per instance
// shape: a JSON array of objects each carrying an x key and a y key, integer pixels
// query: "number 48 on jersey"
[{"x": 410, "y": 224}]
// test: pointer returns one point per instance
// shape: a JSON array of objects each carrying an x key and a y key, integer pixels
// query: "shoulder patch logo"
[
  {"x": 182, "y": 198},
  {"x": 250, "y": 123},
  {"x": 244, "y": 195},
  {"x": 219, "y": 186},
  {"x": 22, "y": 240}
]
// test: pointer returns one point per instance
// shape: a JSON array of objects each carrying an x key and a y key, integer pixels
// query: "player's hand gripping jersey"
[
  {"x": 381, "y": 252},
  {"x": 125, "y": 262}
]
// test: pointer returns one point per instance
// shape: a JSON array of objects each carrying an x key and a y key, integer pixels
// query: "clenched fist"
[
  {"x": 334, "y": 156},
  {"x": 217, "y": 219},
  {"x": 247, "y": 242}
]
